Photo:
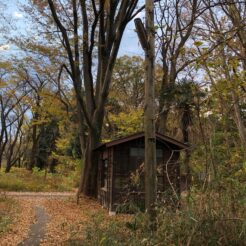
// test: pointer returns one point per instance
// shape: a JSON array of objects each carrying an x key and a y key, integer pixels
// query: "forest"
[{"x": 73, "y": 77}]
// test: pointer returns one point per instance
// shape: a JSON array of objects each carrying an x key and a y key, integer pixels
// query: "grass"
[
  {"x": 204, "y": 219},
  {"x": 19, "y": 179},
  {"x": 7, "y": 208}
]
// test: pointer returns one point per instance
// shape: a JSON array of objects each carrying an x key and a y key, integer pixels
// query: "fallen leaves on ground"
[
  {"x": 24, "y": 216},
  {"x": 66, "y": 219}
]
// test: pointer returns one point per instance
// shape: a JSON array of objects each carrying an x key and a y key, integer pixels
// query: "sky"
[{"x": 129, "y": 46}]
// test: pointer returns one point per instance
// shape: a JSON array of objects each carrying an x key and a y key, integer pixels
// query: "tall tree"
[
  {"x": 102, "y": 24},
  {"x": 175, "y": 20},
  {"x": 228, "y": 57},
  {"x": 12, "y": 114}
]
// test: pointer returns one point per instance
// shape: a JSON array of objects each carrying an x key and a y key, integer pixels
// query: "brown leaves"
[
  {"x": 18, "y": 230},
  {"x": 66, "y": 220}
]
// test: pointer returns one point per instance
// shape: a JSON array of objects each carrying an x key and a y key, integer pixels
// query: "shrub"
[
  {"x": 100, "y": 232},
  {"x": 211, "y": 218},
  {"x": 23, "y": 180}
]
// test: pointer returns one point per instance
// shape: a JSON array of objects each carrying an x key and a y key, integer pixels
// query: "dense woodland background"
[{"x": 67, "y": 90}]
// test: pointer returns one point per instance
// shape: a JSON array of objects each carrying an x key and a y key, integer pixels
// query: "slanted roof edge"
[{"x": 141, "y": 134}]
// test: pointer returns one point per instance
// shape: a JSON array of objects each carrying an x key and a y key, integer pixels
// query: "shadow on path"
[{"x": 37, "y": 230}]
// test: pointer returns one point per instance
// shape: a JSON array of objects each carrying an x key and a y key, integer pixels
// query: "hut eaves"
[{"x": 160, "y": 137}]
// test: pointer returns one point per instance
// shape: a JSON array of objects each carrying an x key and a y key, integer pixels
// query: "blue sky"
[{"x": 129, "y": 46}]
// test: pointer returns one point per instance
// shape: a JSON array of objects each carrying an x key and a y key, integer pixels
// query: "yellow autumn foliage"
[{"x": 128, "y": 122}]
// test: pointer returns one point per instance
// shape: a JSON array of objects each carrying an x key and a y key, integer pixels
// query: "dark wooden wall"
[{"x": 125, "y": 165}]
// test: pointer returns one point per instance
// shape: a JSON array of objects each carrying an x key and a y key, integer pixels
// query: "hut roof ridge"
[{"x": 159, "y": 136}]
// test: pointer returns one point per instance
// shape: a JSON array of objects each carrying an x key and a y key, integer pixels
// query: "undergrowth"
[
  {"x": 20, "y": 179},
  {"x": 7, "y": 208},
  {"x": 209, "y": 218}
]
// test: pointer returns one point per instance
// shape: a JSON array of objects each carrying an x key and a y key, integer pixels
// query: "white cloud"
[
  {"x": 4, "y": 47},
  {"x": 17, "y": 14}
]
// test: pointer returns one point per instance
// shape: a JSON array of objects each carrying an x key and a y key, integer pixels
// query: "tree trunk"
[
  {"x": 238, "y": 120},
  {"x": 8, "y": 167},
  {"x": 186, "y": 122},
  {"x": 162, "y": 122},
  {"x": 82, "y": 130},
  {"x": 149, "y": 119},
  {"x": 9, "y": 157},
  {"x": 1, "y": 158},
  {"x": 163, "y": 107},
  {"x": 88, "y": 181},
  {"x": 33, "y": 158},
  {"x": 3, "y": 142}
]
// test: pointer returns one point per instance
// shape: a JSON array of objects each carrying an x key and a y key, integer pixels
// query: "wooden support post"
[{"x": 149, "y": 110}]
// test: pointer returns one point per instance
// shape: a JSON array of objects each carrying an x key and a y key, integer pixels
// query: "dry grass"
[{"x": 19, "y": 179}]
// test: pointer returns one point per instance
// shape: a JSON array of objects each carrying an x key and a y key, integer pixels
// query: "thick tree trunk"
[
  {"x": 165, "y": 98},
  {"x": 88, "y": 181},
  {"x": 82, "y": 130},
  {"x": 162, "y": 121},
  {"x": 82, "y": 140}
]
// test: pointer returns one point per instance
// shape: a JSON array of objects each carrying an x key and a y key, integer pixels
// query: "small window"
[{"x": 139, "y": 152}]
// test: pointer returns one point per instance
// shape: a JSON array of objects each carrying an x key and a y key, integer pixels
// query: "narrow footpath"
[
  {"x": 37, "y": 230},
  {"x": 48, "y": 219}
]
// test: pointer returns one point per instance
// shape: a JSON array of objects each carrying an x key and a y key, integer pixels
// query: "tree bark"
[
  {"x": 238, "y": 120},
  {"x": 186, "y": 122},
  {"x": 149, "y": 119},
  {"x": 88, "y": 182},
  {"x": 33, "y": 157}
]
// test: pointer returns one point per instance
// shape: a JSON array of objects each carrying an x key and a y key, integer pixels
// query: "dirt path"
[
  {"x": 51, "y": 195},
  {"x": 37, "y": 230},
  {"x": 48, "y": 219}
]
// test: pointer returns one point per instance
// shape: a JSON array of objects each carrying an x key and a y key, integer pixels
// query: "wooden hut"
[{"x": 120, "y": 169}]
